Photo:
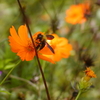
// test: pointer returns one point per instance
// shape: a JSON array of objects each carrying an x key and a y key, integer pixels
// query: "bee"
[{"x": 41, "y": 42}]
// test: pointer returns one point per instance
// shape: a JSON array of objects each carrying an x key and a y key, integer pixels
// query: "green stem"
[
  {"x": 8, "y": 74},
  {"x": 43, "y": 65},
  {"x": 45, "y": 9},
  {"x": 78, "y": 95}
]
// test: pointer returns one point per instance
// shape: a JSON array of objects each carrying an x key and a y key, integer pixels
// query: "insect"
[{"x": 41, "y": 42}]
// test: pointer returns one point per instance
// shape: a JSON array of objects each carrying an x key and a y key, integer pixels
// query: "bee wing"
[
  {"x": 50, "y": 48},
  {"x": 49, "y": 37}
]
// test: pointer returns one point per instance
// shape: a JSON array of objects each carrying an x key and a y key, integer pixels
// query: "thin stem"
[
  {"x": 61, "y": 6},
  {"x": 45, "y": 8},
  {"x": 24, "y": 80},
  {"x": 78, "y": 95},
  {"x": 25, "y": 18},
  {"x": 8, "y": 74}
]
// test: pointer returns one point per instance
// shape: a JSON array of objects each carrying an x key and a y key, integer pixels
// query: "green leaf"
[
  {"x": 5, "y": 92},
  {"x": 9, "y": 66}
]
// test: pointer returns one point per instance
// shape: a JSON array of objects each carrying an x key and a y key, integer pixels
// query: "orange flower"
[
  {"x": 21, "y": 44},
  {"x": 61, "y": 48},
  {"x": 90, "y": 73},
  {"x": 76, "y": 14}
]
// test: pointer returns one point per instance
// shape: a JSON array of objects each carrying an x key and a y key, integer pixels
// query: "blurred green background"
[{"x": 25, "y": 82}]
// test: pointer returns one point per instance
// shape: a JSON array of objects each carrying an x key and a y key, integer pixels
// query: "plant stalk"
[
  {"x": 25, "y": 18},
  {"x": 8, "y": 73},
  {"x": 78, "y": 95}
]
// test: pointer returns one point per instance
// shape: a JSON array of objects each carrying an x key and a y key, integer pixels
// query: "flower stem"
[
  {"x": 45, "y": 9},
  {"x": 25, "y": 18},
  {"x": 9, "y": 73},
  {"x": 78, "y": 95}
]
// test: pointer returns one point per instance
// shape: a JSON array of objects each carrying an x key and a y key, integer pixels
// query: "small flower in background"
[
  {"x": 85, "y": 83},
  {"x": 0, "y": 73},
  {"x": 22, "y": 45},
  {"x": 77, "y": 14},
  {"x": 89, "y": 73},
  {"x": 61, "y": 48}
]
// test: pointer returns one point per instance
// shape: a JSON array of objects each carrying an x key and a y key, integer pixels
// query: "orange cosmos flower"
[
  {"x": 76, "y": 14},
  {"x": 90, "y": 73},
  {"x": 22, "y": 45},
  {"x": 61, "y": 48}
]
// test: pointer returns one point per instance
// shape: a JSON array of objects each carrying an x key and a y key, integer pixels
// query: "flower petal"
[
  {"x": 15, "y": 46},
  {"x": 15, "y": 35},
  {"x": 25, "y": 55},
  {"x": 23, "y": 34},
  {"x": 46, "y": 58}
]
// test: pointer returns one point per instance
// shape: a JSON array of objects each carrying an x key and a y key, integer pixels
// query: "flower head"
[
  {"x": 90, "y": 73},
  {"x": 53, "y": 51},
  {"x": 85, "y": 83},
  {"x": 76, "y": 14},
  {"x": 22, "y": 45},
  {"x": 61, "y": 48}
]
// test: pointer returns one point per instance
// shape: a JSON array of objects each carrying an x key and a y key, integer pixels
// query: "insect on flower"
[
  {"x": 50, "y": 48},
  {"x": 21, "y": 44},
  {"x": 41, "y": 41}
]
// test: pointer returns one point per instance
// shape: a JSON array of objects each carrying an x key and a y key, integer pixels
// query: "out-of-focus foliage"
[{"x": 25, "y": 82}]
